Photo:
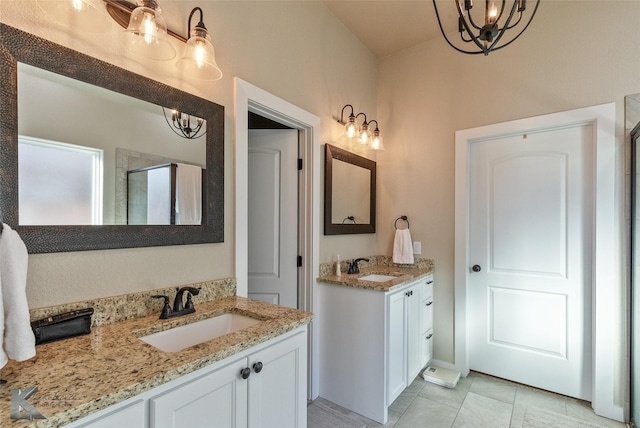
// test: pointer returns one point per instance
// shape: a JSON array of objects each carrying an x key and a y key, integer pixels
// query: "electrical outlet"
[{"x": 417, "y": 247}]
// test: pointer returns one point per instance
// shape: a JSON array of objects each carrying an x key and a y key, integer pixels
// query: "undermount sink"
[
  {"x": 377, "y": 278},
  {"x": 178, "y": 338}
]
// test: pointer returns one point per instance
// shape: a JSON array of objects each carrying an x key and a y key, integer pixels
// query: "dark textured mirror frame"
[
  {"x": 18, "y": 46},
  {"x": 332, "y": 152}
]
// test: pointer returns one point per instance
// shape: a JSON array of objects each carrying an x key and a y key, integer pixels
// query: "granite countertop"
[
  {"x": 79, "y": 376},
  {"x": 402, "y": 274}
]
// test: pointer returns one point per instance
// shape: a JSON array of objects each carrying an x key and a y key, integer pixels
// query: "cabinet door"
[
  {"x": 414, "y": 332},
  {"x": 397, "y": 345},
  {"x": 215, "y": 399},
  {"x": 130, "y": 416},
  {"x": 278, "y": 385}
]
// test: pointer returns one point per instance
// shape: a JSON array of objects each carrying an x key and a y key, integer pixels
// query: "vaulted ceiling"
[{"x": 388, "y": 26}]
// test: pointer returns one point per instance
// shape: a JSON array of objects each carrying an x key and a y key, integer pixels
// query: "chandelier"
[
  {"x": 487, "y": 31},
  {"x": 185, "y": 125}
]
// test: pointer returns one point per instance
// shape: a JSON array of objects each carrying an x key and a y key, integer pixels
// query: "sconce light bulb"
[
  {"x": 199, "y": 58},
  {"x": 149, "y": 26},
  {"x": 78, "y": 5},
  {"x": 365, "y": 134},
  {"x": 376, "y": 143},
  {"x": 146, "y": 34},
  {"x": 351, "y": 127},
  {"x": 200, "y": 54}
]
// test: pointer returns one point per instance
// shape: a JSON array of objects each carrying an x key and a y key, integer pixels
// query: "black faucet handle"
[
  {"x": 166, "y": 308},
  {"x": 354, "y": 268},
  {"x": 189, "y": 304},
  {"x": 177, "y": 303}
]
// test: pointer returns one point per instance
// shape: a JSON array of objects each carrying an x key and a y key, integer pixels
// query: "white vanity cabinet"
[
  {"x": 372, "y": 343},
  {"x": 264, "y": 386}
]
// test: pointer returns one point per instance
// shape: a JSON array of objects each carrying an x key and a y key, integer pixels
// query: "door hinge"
[
  {"x": 299, "y": 164},
  {"x": 299, "y": 261}
]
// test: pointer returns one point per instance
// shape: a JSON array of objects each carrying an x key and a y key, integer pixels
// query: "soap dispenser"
[{"x": 338, "y": 273}]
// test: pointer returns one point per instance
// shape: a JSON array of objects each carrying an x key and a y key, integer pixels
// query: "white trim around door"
[
  {"x": 251, "y": 98},
  {"x": 607, "y": 283}
]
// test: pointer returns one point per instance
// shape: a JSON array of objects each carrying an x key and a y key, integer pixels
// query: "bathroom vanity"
[
  {"x": 264, "y": 385},
  {"x": 376, "y": 336},
  {"x": 111, "y": 377}
]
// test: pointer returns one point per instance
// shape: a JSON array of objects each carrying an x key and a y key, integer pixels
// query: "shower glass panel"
[{"x": 151, "y": 196}]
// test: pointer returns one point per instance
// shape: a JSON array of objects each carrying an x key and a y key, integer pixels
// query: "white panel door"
[
  {"x": 273, "y": 216},
  {"x": 530, "y": 236}
]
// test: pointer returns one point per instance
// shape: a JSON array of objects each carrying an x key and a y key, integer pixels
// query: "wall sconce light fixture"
[
  {"x": 351, "y": 126},
  {"x": 376, "y": 141},
  {"x": 146, "y": 34},
  {"x": 185, "y": 125},
  {"x": 493, "y": 28},
  {"x": 149, "y": 32},
  {"x": 199, "y": 58},
  {"x": 361, "y": 133}
]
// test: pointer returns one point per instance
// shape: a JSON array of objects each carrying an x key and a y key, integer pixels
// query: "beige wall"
[
  {"x": 575, "y": 54},
  {"x": 295, "y": 50}
]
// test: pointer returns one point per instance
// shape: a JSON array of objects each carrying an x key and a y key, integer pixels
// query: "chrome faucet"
[
  {"x": 178, "y": 307},
  {"x": 353, "y": 266}
]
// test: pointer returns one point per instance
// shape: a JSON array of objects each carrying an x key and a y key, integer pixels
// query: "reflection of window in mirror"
[
  {"x": 59, "y": 183},
  {"x": 106, "y": 120},
  {"x": 351, "y": 196}
]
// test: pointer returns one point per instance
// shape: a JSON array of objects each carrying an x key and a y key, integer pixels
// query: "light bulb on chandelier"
[{"x": 487, "y": 32}]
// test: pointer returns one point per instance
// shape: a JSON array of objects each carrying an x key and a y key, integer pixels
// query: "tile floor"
[{"x": 484, "y": 402}]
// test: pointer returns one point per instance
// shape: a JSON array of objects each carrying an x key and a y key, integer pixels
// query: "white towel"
[
  {"x": 188, "y": 194},
  {"x": 402, "y": 247},
  {"x": 18, "y": 341}
]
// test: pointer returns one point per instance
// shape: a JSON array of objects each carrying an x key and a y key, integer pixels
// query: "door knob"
[{"x": 476, "y": 268}]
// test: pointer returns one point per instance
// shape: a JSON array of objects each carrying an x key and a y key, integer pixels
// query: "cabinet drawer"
[
  {"x": 427, "y": 288},
  {"x": 426, "y": 314},
  {"x": 427, "y": 347}
]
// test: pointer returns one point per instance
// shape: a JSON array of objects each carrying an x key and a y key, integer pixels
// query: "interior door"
[
  {"x": 273, "y": 216},
  {"x": 530, "y": 237}
]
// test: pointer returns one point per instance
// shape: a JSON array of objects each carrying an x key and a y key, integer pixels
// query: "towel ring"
[
  {"x": 402, "y": 217},
  {"x": 352, "y": 218}
]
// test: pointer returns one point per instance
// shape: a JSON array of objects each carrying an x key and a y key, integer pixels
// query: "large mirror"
[
  {"x": 58, "y": 98},
  {"x": 349, "y": 193}
]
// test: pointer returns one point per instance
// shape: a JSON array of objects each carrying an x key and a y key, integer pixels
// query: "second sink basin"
[
  {"x": 178, "y": 338},
  {"x": 377, "y": 278}
]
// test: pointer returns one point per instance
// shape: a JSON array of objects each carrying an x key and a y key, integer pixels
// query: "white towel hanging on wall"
[
  {"x": 18, "y": 342},
  {"x": 188, "y": 194},
  {"x": 402, "y": 244}
]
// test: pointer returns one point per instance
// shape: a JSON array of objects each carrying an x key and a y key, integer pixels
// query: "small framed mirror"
[{"x": 349, "y": 193}]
